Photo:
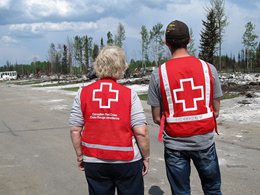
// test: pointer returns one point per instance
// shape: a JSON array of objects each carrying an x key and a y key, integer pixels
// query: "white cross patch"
[
  {"x": 193, "y": 88},
  {"x": 103, "y": 89}
]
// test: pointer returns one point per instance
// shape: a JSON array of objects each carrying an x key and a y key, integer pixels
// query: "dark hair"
[{"x": 177, "y": 44}]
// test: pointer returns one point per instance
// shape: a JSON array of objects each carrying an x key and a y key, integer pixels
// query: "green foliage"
[
  {"x": 110, "y": 40},
  {"x": 229, "y": 95},
  {"x": 95, "y": 52},
  {"x": 64, "y": 61},
  {"x": 143, "y": 97},
  {"x": 221, "y": 19},
  {"x": 101, "y": 43},
  {"x": 209, "y": 37},
  {"x": 71, "y": 89},
  {"x": 135, "y": 65},
  {"x": 88, "y": 49},
  {"x": 36, "y": 67},
  {"x": 78, "y": 50}
]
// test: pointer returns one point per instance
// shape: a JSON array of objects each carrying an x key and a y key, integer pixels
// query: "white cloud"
[
  {"x": 50, "y": 26},
  {"x": 48, "y": 8},
  {"x": 4, "y": 4},
  {"x": 7, "y": 40}
]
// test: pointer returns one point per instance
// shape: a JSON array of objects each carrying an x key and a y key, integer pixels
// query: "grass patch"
[
  {"x": 229, "y": 95},
  {"x": 53, "y": 85},
  {"x": 75, "y": 89},
  {"x": 143, "y": 97},
  {"x": 26, "y": 82}
]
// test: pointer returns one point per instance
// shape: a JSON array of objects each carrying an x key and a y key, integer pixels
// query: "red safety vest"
[
  {"x": 106, "y": 108},
  {"x": 187, "y": 93}
]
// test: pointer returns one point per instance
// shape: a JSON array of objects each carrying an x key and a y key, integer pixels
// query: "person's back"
[
  {"x": 109, "y": 130},
  {"x": 189, "y": 89}
]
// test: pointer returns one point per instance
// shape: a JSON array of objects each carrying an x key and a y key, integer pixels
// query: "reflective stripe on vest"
[
  {"x": 171, "y": 118},
  {"x": 105, "y": 147}
]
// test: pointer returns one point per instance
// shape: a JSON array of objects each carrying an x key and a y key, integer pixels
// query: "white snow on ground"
[
  {"x": 140, "y": 89},
  {"x": 56, "y": 101},
  {"x": 234, "y": 110},
  {"x": 143, "y": 88},
  {"x": 59, "y": 107}
]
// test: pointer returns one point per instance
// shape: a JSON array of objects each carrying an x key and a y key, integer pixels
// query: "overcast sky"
[{"x": 27, "y": 27}]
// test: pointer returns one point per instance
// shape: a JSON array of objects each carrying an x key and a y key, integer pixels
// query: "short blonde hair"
[{"x": 110, "y": 62}]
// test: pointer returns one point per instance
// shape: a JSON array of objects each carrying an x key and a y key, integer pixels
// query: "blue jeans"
[{"x": 178, "y": 170}]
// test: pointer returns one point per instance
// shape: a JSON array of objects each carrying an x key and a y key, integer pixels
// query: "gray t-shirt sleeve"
[
  {"x": 154, "y": 94},
  {"x": 137, "y": 113},
  {"x": 217, "y": 85},
  {"x": 76, "y": 116}
]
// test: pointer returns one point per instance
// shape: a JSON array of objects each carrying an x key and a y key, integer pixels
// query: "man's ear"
[{"x": 165, "y": 42}]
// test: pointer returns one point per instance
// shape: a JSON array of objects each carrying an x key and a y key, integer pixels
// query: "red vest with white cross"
[
  {"x": 187, "y": 92},
  {"x": 106, "y": 108}
]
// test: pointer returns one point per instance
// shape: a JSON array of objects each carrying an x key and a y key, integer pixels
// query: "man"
[
  {"x": 109, "y": 130},
  {"x": 184, "y": 94}
]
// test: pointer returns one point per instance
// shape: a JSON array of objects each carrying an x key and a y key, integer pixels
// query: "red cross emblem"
[
  {"x": 105, "y": 95},
  {"x": 188, "y": 95}
]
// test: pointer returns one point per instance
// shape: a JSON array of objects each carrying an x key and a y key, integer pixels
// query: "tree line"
[{"x": 78, "y": 54}]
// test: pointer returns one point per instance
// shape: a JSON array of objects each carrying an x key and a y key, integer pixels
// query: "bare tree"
[
  {"x": 145, "y": 45},
  {"x": 191, "y": 46},
  {"x": 120, "y": 36},
  {"x": 250, "y": 44},
  {"x": 157, "y": 42}
]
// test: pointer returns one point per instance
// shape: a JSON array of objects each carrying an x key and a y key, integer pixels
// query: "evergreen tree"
[
  {"x": 87, "y": 52},
  {"x": 64, "y": 60},
  {"x": 120, "y": 36},
  {"x": 258, "y": 58},
  {"x": 209, "y": 37},
  {"x": 95, "y": 52},
  {"x": 221, "y": 19},
  {"x": 101, "y": 43},
  {"x": 110, "y": 40}
]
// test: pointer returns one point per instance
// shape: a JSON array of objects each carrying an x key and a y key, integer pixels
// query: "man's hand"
[
  {"x": 145, "y": 166},
  {"x": 80, "y": 162},
  {"x": 216, "y": 106}
]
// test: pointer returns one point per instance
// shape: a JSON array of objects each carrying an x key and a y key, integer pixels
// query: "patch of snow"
[
  {"x": 55, "y": 101},
  {"x": 139, "y": 88},
  {"x": 241, "y": 113},
  {"x": 59, "y": 107}
]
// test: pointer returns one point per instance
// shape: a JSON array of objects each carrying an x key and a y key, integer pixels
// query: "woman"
[{"x": 109, "y": 131}]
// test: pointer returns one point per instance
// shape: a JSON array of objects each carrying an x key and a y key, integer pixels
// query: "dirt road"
[{"x": 36, "y": 155}]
